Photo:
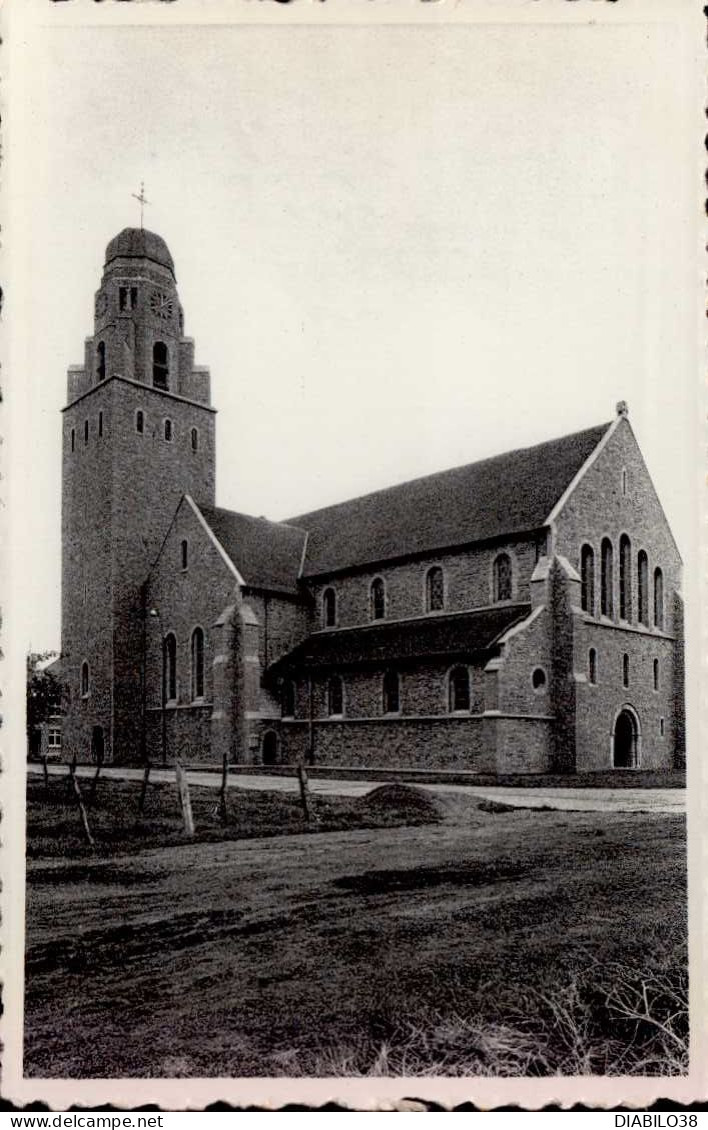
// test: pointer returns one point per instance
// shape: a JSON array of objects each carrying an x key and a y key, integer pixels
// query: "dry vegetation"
[{"x": 487, "y": 942}]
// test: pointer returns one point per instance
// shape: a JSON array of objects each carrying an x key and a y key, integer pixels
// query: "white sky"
[{"x": 399, "y": 248}]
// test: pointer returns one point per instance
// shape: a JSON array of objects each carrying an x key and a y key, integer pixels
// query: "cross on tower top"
[{"x": 142, "y": 198}]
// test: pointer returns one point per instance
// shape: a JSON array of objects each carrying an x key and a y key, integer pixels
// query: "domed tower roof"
[{"x": 137, "y": 243}]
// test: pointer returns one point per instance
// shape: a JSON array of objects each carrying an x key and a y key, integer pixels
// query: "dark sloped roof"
[
  {"x": 137, "y": 243},
  {"x": 466, "y": 634},
  {"x": 266, "y": 554},
  {"x": 506, "y": 494}
]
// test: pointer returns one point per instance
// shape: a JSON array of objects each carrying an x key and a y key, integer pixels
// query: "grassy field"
[{"x": 489, "y": 942}]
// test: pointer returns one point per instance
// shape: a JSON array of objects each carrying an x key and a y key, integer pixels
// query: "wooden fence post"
[
  {"x": 185, "y": 802},
  {"x": 304, "y": 791},
  {"x": 143, "y": 788},
  {"x": 94, "y": 783},
  {"x": 82, "y": 809}
]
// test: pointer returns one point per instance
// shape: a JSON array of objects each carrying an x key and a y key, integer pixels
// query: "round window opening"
[{"x": 538, "y": 679}]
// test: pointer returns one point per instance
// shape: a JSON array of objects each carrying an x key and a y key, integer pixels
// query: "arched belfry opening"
[{"x": 625, "y": 740}]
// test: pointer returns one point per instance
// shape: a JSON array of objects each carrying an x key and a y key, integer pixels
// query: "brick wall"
[{"x": 468, "y": 584}]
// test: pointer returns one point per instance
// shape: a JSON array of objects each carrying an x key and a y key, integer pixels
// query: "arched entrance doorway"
[
  {"x": 625, "y": 740},
  {"x": 270, "y": 747}
]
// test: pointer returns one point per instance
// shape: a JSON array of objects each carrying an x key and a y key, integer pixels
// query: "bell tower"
[{"x": 138, "y": 433}]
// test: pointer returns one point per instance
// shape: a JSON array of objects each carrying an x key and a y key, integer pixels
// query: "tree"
[{"x": 43, "y": 691}]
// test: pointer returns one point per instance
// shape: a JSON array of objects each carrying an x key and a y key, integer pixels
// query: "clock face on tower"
[{"x": 161, "y": 304}]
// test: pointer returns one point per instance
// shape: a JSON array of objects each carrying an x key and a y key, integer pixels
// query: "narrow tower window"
[
  {"x": 184, "y": 553},
  {"x": 587, "y": 574},
  {"x": 655, "y": 667},
  {"x": 329, "y": 608},
  {"x": 73, "y": 439},
  {"x": 658, "y": 598},
  {"x": 101, "y": 361},
  {"x": 502, "y": 577},
  {"x": 86, "y": 431},
  {"x": 378, "y": 599},
  {"x": 391, "y": 693},
  {"x": 85, "y": 680},
  {"x": 122, "y": 297},
  {"x": 643, "y": 588},
  {"x": 459, "y": 689},
  {"x": 625, "y": 578},
  {"x": 197, "y": 663},
  {"x": 624, "y": 481},
  {"x": 160, "y": 366},
  {"x": 592, "y": 665},
  {"x": 100, "y": 423},
  {"x": 625, "y": 670},
  {"x": 434, "y": 589},
  {"x": 195, "y": 439},
  {"x": 139, "y": 422},
  {"x": 168, "y": 431},
  {"x": 170, "y": 667},
  {"x": 335, "y": 696},
  {"x": 606, "y": 581}
]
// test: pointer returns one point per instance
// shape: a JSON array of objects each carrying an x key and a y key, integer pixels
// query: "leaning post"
[{"x": 184, "y": 799}]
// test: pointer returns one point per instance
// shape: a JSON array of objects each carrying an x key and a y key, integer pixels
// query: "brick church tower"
[{"x": 138, "y": 432}]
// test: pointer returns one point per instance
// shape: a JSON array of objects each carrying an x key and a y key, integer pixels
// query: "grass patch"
[
  {"x": 490, "y": 944},
  {"x": 53, "y": 827}
]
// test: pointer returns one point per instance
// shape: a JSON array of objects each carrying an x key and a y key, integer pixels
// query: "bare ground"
[{"x": 488, "y": 943}]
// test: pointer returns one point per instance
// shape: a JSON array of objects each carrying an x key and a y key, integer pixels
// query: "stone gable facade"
[{"x": 540, "y": 630}]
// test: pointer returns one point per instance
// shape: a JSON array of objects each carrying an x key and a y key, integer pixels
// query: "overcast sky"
[{"x": 399, "y": 248}]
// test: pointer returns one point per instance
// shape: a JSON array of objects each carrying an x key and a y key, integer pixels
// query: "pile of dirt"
[{"x": 409, "y": 804}]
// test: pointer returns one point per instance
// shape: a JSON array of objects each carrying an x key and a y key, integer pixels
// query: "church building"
[{"x": 520, "y": 614}]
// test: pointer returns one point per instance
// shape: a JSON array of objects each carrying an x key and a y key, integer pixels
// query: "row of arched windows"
[
  {"x": 169, "y": 666},
  {"x": 168, "y": 429},
  {"x": 459, "y": 694},
  {"x": 593, "y": 669},
  {"x": 160, "y": 364},
  {"x": 630, "y": 573},
  {"x": 434, "y": 592}
]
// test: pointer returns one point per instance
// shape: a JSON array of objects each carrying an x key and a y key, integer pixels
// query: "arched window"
[
  {"x": 538, "y": 679},
  {"x": 169, "y": 660},
  {"x": 184, "y": 553},
  {"x": 643, "y": 588},
  {"x": 194, "y": 439},
  {"x": 655, "y": 667},
  {"x": 288, "y": 702},
  {"x": 85, "y": 680},
  {"x": 101, "y": 361},
  {"x": 391, "y": 693},
  {"x": 160, "y": 365},
  {"x": 502, "y": 577},
  {"x": 459, "y": 689},
  {"x": 658, "y": 598},
  {"x": 592, "y": 665},
  {"x": 197, "y": 663},
  {"x": 606, "y": 580},
  {"x": 139, "y": 422},
  {"x": 625, "y": 670},
  {"x": 625, "y": 578},
  {"x": 335, "y": 696},
  {"x": 100, "y": 423},
  {"x": 168, "y": 430},
  {"x": 434, "y": 589},
  {"x": 378, "y": 599},
  {"x": 329, "y": 608},
  {"x": 587, "y": 576}
]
